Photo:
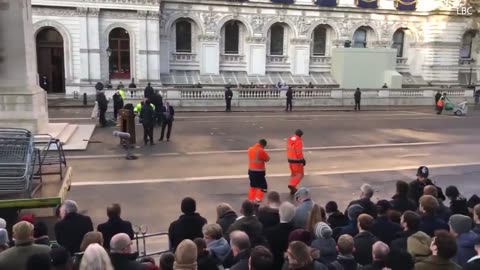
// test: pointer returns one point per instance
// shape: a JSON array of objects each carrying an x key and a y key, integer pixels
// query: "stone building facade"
[{"x": 178, "y": 42}]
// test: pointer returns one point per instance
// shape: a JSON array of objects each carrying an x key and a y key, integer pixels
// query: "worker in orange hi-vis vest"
[
  {"x": 257, "y": 157},
  {"x": 296, "y": 161}
]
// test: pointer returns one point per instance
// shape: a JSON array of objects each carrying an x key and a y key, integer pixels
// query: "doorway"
[{"x": 50, "y": 60}]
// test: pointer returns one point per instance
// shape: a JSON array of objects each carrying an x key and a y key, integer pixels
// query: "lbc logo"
[{"x": 464, "y": 10}]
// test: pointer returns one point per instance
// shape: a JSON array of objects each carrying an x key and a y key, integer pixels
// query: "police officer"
[
  {"x": 257, "y": 157},
  {"x": 228, "y": 99},
  {"x": 358, "y": 98},
  {"x": 147, "y": 118},
  {"x": 289, "y": 95}
]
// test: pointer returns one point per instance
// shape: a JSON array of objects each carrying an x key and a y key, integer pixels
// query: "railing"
[
  {"x": 141, "y": 237},
  {"x": 259, "y": 94},
  {"x": 232, "y": 58},
  {"x": 184, "y": 57},
  {"x": 320, "y": 60},
  {"x": 277, "y": 59},
  {"x": 202, "y": 94},
  {"x": 454, "y": 93},
  {"x": 406, "y": 93},
  {"x": 306, "y": 93},
  {"x": 402, "y": 61}
]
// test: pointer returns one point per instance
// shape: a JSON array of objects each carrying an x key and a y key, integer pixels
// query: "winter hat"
[
  {"x": 383, "y": 206},
  {"x": 3, "y": 237},
  {"x": 354, "y": 211},
  {"x": 3, "y": 223},
  {"x": 423, "y": 171},
  {"x": 331, "y": 207},
  {"x": 473, "y": 201},
  {"x": 28, "y": 218},
  {"x": 460, "y": 223},
  {"x": 302, "y": 192},
  {"x": 322, "y": 230},
  {"x": 418, "y": 244},
  {"x": 302, "y": 236},
  {"x": 186, "y": 256}
]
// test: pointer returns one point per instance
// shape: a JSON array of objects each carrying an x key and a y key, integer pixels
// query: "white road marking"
[
  {"x": 233, "y": 177},
  {"x": 70, "y": 118},
  {"x": 414, "y": 155}
]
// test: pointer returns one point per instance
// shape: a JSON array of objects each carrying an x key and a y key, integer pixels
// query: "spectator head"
[
  {"x": 222, "y": 209},
  {"x": 61, "y": 258},
  {"x": 262, "y": 142},
  {"x": 402, "y": 188},
  {"x": 299, "y": 255},
  {"x": 380, "y": 251},
  {"x": 189, "y": 206},
  {"x": 3, "y": 239},
  {"x": 366, "y": 191},
  {"x": 121, "y": 243},
  {"x": 459, "y": 224},
  {"x": 186, "y": 256},
  {"x": 400, "y": 260},
  {"x": 248, "y": 208},
  {"x": 301, "y": 235},
  {"x": 394, "y": 216},
  {"x": 3, "y": 223},
  {"x": 91, "y": 238},
  {"x": 40, "y": 261},
  {"x": 323, "y": 231},
  {"x": 472, "y": 202},
  {"x": 331, "y": 207},
  {"x": 239, "y": 241},
  {"x": 422, "y": 173},
  {"x": 430, "y": 190},
  {"x": 452, "y": 192},
  {"x": 201, "y": 246},
  {"x": 212, "y": 232},
  {"x": 476, "y": 214},
  {"x": 273, "y": 199},
  {"x": 317, "y": 214},
  {"x": 444, "y": 245},
  {"x": 22, "y": 232},
  {"x": 260, "y": 259},
  {"x": 365, "y": 222},
  {"x": 428, "y": 205},
  {"x": 28, "y": 218},
  {"x": 95, "y": 257},
  {"x": 383, "y": 207},
  {"x": 114, "y": 210},
  {"x": 345, "y": 245},
  {"x": 299, "y": 132},
  {"x": 302, "y": 195},
  {"x": 286, "y": 212},
  {"x": 354, "y": 211},
  {"x": 410, "y": 221},
  {"x": 166, "y": 261},
  {"x": 68, "y": 207},
  {"x": 40, "y": 229}
]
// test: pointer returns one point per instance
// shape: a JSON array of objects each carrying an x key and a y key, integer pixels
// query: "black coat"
[
  {"x": 69, "y": 232},
  {"x": 368, "y": 206},
  {"x": 385, "y": 230},
  {"x": 277, "y": 238},
  {"x": 251, "y": 226},
  {"x": 357, "y": 96},
  {"x": 102, "y": 101},
  {"x": 337, "y": 219},
  {"x": 376, "y": 265},
  {"x": 473, "y": 265},
  {"x": 117, "y": 101},
  {"x": 347, "y": 263},
  {"x": 185, "y": 227},
  {"x": 206, "y": 261},
  {"x": 157, "y": 101},
  {"x": 402, "y": 204},
  {"x": 241, "y": 261},
  {"x": 459, "y": 206},
  {"x": 147, "y": 114},
  {"x": 126, "y": 262},
  {"x": 148, "y": 92},
  {"x": 112, "y": 227},
  {"x": 168, "y": 116},
  {"x": 430, "y": 224},
  {"x": 415, "y": 190},
  {"x": 363, "y": 247},
  {"x": 400, "y": 242},
  {"x": 226, "y": 220},
  {"x": 268, "y": 216},
  {"x": 289, "y": 94},
  {"x": 228, "y": 94}
]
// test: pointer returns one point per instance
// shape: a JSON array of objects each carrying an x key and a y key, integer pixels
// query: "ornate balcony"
[
  {"x": 320, "y": 60},
  {"x": 277, "y": 59},
  {"x": 184, "y": 57},
  {"x": 232, "y": 58}
]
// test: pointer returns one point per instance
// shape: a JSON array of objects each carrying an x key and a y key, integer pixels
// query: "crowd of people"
[{"x": 414, "y": 230}]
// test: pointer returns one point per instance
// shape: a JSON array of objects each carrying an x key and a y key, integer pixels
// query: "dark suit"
[
  {"x": 168, "y": 114},
  {"x": 289, "y": 100},
  {"x": 228, "y": 100},
  {"x": 186, "y": 227},
  {"x": 277, "y": 238},
  {"x": 70, "y": 231},
  {"x": 112, "y": 227}
]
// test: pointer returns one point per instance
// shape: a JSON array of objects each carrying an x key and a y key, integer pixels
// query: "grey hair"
[
  {"x": 380, "y": 250},
  {"x": 367, "y": 190},
  {"x": 95, "y": 258},
  {"x": 286, "y": 212},
  {"x": 70, "y": 207},
  {"x": 240, "y": 240}
]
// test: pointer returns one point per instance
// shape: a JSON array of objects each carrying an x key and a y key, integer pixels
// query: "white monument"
[{"x": 23, "y": 104}]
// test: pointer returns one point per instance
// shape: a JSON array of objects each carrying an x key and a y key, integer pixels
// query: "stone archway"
[{"x": 51, "y": 60}]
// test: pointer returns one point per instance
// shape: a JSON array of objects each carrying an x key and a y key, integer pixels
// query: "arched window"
[
  {"x": 398, "y": 40},
  {"x": 467, "y": 41},
  {"x": 360, "y": 38},
  {"x": 183, "y": 33},
  {"x": 119, "y": 43},
  {"x": 232, "y": 32},
  {"x": 277, "y": 33},
  {"x": 319, "y": 40}
]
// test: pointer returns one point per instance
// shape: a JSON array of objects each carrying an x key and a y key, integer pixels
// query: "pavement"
[{"x": 206, "y": 159}]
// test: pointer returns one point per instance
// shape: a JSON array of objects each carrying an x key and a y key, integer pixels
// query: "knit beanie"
[
  {"x": 460, "y": 223},
  {"x": 186, "y": 256},
  {"x": 322, "y": 230},
  {"x": 354, "y": 211}
]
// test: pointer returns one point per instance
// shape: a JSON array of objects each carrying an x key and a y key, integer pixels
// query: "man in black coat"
[
  {"x": 117, "y": 104},
  {"x": 400, "y": 201},
  {"x": 268, "y": 215},
  {"x": 289, "y": 95},
  {"x": 102, "y": 104},
  {"x": 358, "y": 98},
  {"x": 147, "y": 118},
  {"x": 228, "y": 99},
  {"x": 114, "y": 225},
  {"x": 383, "y": 228},
  {"x": 157, "y": 101},
  {"x": 148, "y": 92},
  {"x": 249, "y": 223},
  {"x": 410, "y": 223},
  {"x": 364, "y": 240},
  {"x": 69, "y": 231},
  {"x": 240, "y": 244},
  {"x": 168, "y": 114},
  {"x": 122, "y": 255},
  {"x": 380, "y": 253},
  {"x": 415, "y": 190},
  {"x": 365, "y": 200},
  {"x": 187, "y": 226}
]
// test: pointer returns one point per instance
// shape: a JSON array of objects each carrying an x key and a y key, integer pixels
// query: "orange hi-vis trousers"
[
  {"x": 255, "y": 194},
  {"x": 296, "y": 171}
]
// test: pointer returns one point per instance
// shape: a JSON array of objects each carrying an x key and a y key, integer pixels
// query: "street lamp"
[
  {"x": 109, "y": 53},
  {"x": 472, "y": 63}
]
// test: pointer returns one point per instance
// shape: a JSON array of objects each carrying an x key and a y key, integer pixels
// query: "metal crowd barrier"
[{"x": 141, "y": 237}]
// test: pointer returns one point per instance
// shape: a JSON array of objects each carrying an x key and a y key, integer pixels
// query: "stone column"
[
  {"x": 256, "y": 55},
  {"x": 94, "y": 55},
  {"x": 149, "y": 52},
  {"x": 23, "y": 104}
]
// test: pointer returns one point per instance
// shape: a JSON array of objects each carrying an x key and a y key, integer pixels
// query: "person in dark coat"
[
  {"x": 325, "y": 243},
  {"x": 120, "y": 86},
  {"x": 335, "y": 218},
  {"x": 147, "y": 118},
  {"x": 168, "y": 114},
  {"x": 458, "y": 204},
  {"x": 364, "y": 240},
  {"x": 228, "y": 99},
  {"x": 69, "y": 231},
  {"x": 430, "y": 221},
  {"x": 277, "y": 236},
  {"x": 351, "y": 228},
  {"x": 240, "y": 244},
  {"x": 205, "y": 259},
  {"x": 248, "y": 223},
  {"x": 289, "y": 95},
  {"x": 442, "y": 211},
  {"x": 188, "y": 226},
  {"x": 99, "y": 86},
  {"x": 474, "y": 262},
  {"x": 40, "y": 233},
  {"x": 415, "y": 189},
  {"x": 345, "y": 259},
  {"x": 400, "y": 201},
  {"x": 383, "y": 228},
  {"x": 461, "y": 228},
  {"x": 365, "y": 200},
  {"x": 102, "y": 104},
  {"x": 268, "y": 215},
  {"x": 157, "y": 101},
  {"x": 148, "y": 92},
  {"x": 226, "y": 216},
  {"x": 114, "y": 225},
  {"x": 117, "y": 104},
  {"x": 380, "y": 253},
  {"x": 122, "y": 255},
  {"x": 400, "y": 260},
  {"x": 358, "y": 98},
  {"x": 411, "y": 224}
]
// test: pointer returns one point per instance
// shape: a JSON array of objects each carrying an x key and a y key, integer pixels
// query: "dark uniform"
[
  {"x": 289, "y": 99},
  {"x": 147, "y": 116},
  {"x": 167, "y": 120},
  {"x": 148, "y": 92},
  {"x": 358, "y": 98},
  {"x": 415, "y": 190},
  {"x": 102, "y": 107},
  {"x": 117, "y": 104},
  {"x": 228, "y": 99}
]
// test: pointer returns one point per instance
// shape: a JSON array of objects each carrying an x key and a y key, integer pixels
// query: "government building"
[{"x": 261, "y": 42}]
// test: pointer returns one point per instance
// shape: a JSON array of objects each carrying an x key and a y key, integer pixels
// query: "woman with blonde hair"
[
  {"x": 95, "y": 258},
  {"x": 316, "y": 215},
  {"x": 91, "y": 238}
]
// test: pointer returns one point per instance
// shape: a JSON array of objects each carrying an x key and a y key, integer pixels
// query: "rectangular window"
[
  {"x": 276, "y": 40},
  {"x": 319, "y": 41},
  {"x": 183, "y": 37},
  {"x": 232, "y": 38}
]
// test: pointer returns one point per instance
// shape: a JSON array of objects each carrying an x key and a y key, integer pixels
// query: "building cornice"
[{"x": 100, "y": 4}]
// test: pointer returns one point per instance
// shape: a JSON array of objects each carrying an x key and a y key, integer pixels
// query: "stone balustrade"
[
  {"x": 232, "y": 58},
  {"x": 401, "y": 61},
  {"x": 184, "y": 57},
  {"x": 320, "y": 60},
  {"x": 465, "y": 61},
  {"x": 277, "y": 59}
]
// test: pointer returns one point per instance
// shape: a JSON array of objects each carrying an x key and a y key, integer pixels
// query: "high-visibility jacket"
[
  {"x": 257, "y": 156},
  {"x": 295, "y": 149},
  {"x": 122, "y": 93},
  {"x": 139, "y": 106}
]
